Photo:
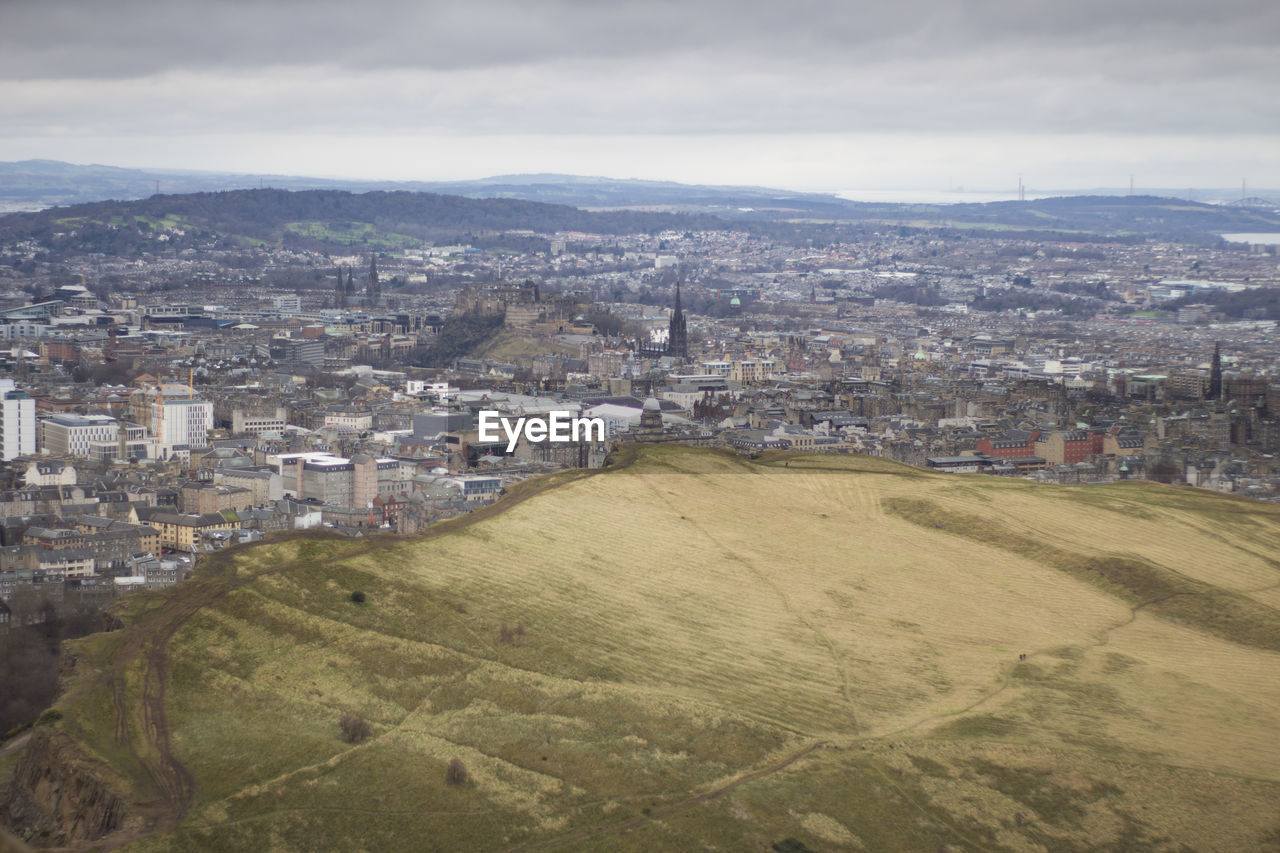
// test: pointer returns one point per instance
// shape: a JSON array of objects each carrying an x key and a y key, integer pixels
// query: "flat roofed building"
[
  {"x": 74, "y": 435},
  {"x": 249, "y": 423}
]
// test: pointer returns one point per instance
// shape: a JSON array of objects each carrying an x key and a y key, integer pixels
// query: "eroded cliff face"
[{"x": 60, "y": 797}]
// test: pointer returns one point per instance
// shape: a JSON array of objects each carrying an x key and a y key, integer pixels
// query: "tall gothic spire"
[{"x": 677, "y": 331}]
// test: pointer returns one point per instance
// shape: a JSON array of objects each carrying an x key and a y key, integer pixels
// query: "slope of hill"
[{"x": 698, "y": 651}]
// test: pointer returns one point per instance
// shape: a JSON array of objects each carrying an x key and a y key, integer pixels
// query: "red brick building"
[{"x": 1016, "y": 445}]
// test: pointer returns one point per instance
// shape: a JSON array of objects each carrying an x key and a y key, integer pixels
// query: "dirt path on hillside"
[
  {"x": 1101, "y": 638},
  {"x": 673, "y": 808},
  {"x": 152, "y": 746},
  {"x": 15, "y": 744}
]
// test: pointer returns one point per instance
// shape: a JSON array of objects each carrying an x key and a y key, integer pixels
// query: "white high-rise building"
[
  {"x": 186, "y": 423},
  {"x": 178, "y": 423},
  {"x": 17, "y": 421}
]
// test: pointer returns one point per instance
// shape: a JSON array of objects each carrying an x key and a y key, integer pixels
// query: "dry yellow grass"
[
  {"x": 510, "y": 345},
  {"x": 694, "y": 622}
]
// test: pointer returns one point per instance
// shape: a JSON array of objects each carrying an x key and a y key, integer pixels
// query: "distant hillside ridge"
[
  {"x": 43, "y": 183},
  {"x": 315, "y": 218},
  {"x": 37, "y": 184}
]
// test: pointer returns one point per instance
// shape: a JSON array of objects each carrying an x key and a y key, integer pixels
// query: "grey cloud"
[
  {"x": 630, "y": 98},
  {"x": 106, "y": 38},
  {"x": 574, "y": 66}
]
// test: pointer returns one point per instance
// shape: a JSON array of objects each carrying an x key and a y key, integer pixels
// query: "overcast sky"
[{"x": 797, "y": 94}]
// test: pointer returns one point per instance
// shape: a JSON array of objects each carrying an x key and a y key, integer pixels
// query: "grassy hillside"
[
  {"x": 697, "y": 652},
  {"x": 506, "y": 345}
]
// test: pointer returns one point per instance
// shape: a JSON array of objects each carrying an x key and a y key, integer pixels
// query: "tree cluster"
[
  {"x": 1260, "y": 303},
  {"x": 31, "y": 652},
  {"x": 355, "y": 728},
  {"x": 459, "y": 335}
]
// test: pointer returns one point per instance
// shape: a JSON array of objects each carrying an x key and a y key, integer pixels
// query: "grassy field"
[
  {"x": 353, "y": 234},
  {"x": 158, "y": 223},
  {"x": 700, "y": 652}
]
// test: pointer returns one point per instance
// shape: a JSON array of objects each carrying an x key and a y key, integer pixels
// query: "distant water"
[
  {"x": 1260, "y": 239},
  {"x": 932, "y": 196}
]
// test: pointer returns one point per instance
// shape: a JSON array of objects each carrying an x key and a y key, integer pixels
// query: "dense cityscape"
[{"x": 166, "y": 405}]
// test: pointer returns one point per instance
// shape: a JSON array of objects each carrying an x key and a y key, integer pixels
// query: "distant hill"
[
  {"x": 697, "y": 651},
  {"x": 595, "y": 192},
  {"x": 38, "y": 184},
  {"x": 312, "y": 219},
  {"x": 1141, "y": 215},
  {"x": 384, "y": 214}
]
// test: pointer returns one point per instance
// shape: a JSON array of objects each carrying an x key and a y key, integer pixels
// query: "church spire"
[{"x": 677, "y": 330}]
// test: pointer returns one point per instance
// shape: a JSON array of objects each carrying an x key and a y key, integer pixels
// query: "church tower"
[
  {"x": 373, "y": 290},
  {"x": 677, "y": 332}
]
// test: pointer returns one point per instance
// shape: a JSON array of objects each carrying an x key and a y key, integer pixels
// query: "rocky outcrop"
[{"x": 60, "y": 797}]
